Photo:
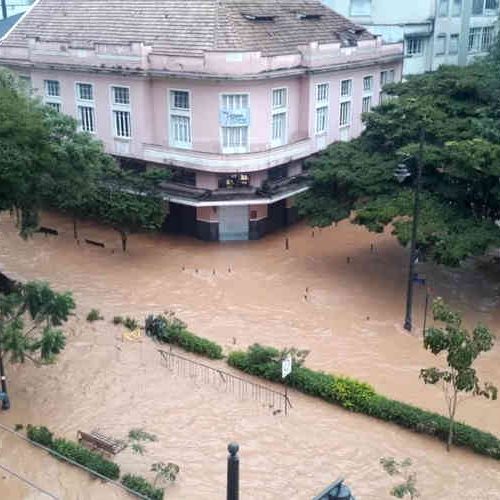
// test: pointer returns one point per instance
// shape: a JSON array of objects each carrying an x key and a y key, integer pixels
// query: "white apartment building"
[{"x": 434, "y": 32}]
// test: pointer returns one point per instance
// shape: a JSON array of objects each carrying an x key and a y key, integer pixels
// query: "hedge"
[
  {"x": 141, "y": 486},
  {"x": 362, "y": 398},
  {"x": 75, "y": 452},
  {"x": 169, "y": 329}
]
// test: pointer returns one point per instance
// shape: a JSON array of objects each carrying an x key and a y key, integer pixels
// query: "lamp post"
[
  {"x": 233, "y": 472},
  {"x": 401, "y": 174}
]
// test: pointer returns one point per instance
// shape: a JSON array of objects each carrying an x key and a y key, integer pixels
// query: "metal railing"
[{"x": 277, "y": 402}]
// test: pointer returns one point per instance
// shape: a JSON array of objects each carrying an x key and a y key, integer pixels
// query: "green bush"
[
  {"x": 90, "y": 459},
  {"x": 169, "y": 329},
  {"x": 94, "y": 315},
  {"x": 130, "y": 323},
  {"x": 362, "y": 398},
  {"x": 141, "y": 486},
  {"x": 40, "y": 435},
  {"x": 117, "y": 320}
]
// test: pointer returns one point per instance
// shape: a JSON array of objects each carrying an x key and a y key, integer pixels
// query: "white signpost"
[
  {"x": 286, "y": 369},
  {"x": 286, "y": 366}
]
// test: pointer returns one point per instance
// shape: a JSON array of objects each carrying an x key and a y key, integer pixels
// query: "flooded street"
[{"x": 329, "y": 293}]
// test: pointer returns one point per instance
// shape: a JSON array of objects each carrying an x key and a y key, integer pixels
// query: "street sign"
[{"x": 286, "y": 366}]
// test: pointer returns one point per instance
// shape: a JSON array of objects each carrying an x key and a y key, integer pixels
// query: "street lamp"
[{"x": 402, "y": 173}]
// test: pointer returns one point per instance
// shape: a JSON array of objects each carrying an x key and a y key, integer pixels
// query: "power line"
[
  {"x": 72, "y": 462},
  {"x": 27, "y": 481}
]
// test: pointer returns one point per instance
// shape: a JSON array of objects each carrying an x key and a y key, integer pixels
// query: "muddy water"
[{"x": 348, "y": 315}]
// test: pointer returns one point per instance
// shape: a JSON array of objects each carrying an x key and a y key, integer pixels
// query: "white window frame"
[
  {"x": 186, "y": 113},
  {"x": 119, "y": 107},
  {"x": 347, "y": 98},
  {"x": 369, "y": 99},
  {"x": 484, "y": 10},
  {"x": 236, "y": 149},
  {"x": 370, "y": 89},
  {"x": 454, "y": 36},
  {"x": 54, "y": 101},
  {"x": 456, "y": 8},
  {"x": 367, "y": 93},
  {"x": 476, "y": 43},
  {"x": 87, "y": 104},
  {"x": 279, "y": 110},
  {"x": 322, "y": 104},
  {"x": 491, "y": 38},
  {"x": 411, "y": 44},
  {"x": 446, "y": 11}
]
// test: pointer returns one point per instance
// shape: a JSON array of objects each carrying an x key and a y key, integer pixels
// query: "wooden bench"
[{"x": 97, "y": 441}]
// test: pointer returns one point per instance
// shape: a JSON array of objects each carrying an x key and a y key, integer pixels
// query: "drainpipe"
[{"x": 4, "y": 9}]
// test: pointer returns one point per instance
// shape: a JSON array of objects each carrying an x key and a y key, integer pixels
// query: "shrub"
[
  {"x": 85, "y": 457},
  {"x": 169, "y": 329},
  {"x": 117, "y": 320},
  {"x": 362, "y": 398},
  {"x": 130, "y": 323},
  {"x": 141, "y": 486},
  {"x": 94, "y": 315},
  {"x": 40, "y": 435}
]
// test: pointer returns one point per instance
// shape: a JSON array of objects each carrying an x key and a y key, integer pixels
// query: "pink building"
[{"x": 232, "y": 95}]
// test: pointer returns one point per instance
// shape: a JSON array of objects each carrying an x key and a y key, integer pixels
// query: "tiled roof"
[
  {"x": 186, "y": 26},
  {"x": 7, "y": 23}
]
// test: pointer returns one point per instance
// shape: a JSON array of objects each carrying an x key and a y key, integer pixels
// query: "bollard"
[
  {"x": 233, "y": 472},
  {"x": 348, "y": 260},
  {"x": 287, "y": 244},
  {"x": 372, "y": 248}
]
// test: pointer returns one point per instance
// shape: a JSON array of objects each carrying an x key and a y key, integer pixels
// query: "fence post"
[{"x": 233, "y": 472}]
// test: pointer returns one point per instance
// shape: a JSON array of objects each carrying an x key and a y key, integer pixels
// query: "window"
[
  {"x": 52, "y": 88},
  {"x": 279, "y": 117},
  {"x": 121, "y": 95},
  {"x": 346, "y": 88},
  {"x": 414, "y": 46},
  {"x": 367, "y": 104},
  {"x": 54, "y": 105},
  {"x": 120, "y": 98},
  {"x": 235, "y": 120},
  {"x": 234, "y": 181},
  {"x": 277, "y": 173},
  {"x": 440, "y": 45},
  {"x": 345, "y": 113},
  {"x": 487, "y": 38},
  {"x": 361, "y": 8},
  {"x": 85, "y": 107},
  {"x": 86, "y": 118},
  {"x": 443, "y": 8},
  {"x": 484, "y": 7},
  {"x": 386, "y": 77},
  {"x": 456, "y": 8},
  {"x": 454, "y": 40},
  {"x": 481, "y": 39},
  {"x": 180, "y": 119},
  {"x": 85, "y": 91},
  {"x": 322, "y": 106},
  {"x": 368, "y": 83},
  {"x": 53, "y": 94}
]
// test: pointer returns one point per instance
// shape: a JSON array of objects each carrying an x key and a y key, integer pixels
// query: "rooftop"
[{"x": 188, "y": 27}]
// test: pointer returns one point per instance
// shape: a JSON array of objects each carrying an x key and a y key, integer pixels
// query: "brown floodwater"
[{"x": 348, "y": 314}]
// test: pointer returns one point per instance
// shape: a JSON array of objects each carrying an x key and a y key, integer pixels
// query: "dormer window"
[
  {"x": 259, "y": 17},
  {"x": 308, "y": 16}
]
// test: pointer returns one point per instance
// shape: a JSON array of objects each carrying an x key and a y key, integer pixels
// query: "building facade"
[
  {"x": 434, "y": 32},
  {"x": 232, "y": 96}
]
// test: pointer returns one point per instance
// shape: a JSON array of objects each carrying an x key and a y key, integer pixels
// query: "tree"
[
  {"x": 459, "y": 111},
  {"x": 29, "y": 317},
  {"x": 462, "y": 348},
  {"x": 395, "y": 468},
  {"x": 81, "y": 161},
  {"x": 129, "y": 201}
]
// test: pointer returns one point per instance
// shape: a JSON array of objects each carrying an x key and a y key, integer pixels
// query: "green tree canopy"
[{"x": 459, "y": 111}]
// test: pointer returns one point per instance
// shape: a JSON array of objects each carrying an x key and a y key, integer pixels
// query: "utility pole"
[
  {"x": 4, "y": 9},
  {"x": 416, "y": 214}
]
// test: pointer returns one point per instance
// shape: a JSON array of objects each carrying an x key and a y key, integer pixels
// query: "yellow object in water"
[{"x": 135, "y": 336}]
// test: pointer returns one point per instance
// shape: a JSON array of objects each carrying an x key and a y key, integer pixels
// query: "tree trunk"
[
  {"x": 5, "y": 399},
  {"x": 18, "y": 217},
  {"x": 452, "y": 422},
  {"x": 75, "y": 228}
]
